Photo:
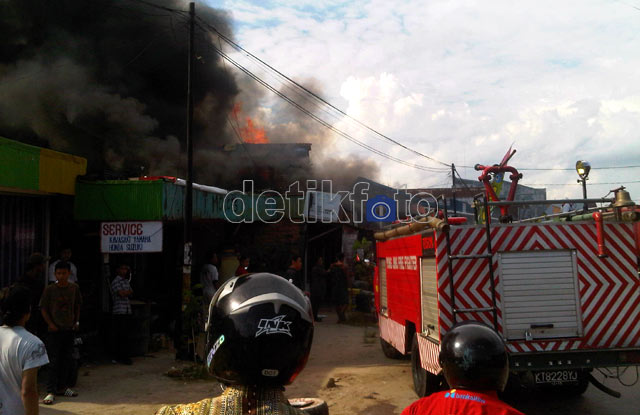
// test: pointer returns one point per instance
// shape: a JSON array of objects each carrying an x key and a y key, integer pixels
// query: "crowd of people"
[
  {"x": 275, "y": 347},
  {"x": 336, "y": 278}
]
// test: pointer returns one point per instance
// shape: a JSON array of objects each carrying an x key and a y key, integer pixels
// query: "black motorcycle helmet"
[
  {"x": 259, "y": 331},
  {"x": 473, "y": 356}
]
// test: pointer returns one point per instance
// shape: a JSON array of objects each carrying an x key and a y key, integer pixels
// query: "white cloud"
[{"x": 461, "y": 80}]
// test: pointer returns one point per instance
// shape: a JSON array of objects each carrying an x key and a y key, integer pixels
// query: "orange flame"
[{"x": 249, "y": 133}]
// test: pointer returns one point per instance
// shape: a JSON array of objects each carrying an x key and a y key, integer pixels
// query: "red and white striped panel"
[
  {"x": 429, "y": 352},
  {"x": 473, "y": 286},
  {"x": 609, "y": 287},
  {"x": 392, "y": 332},
  {"x": 543, "y": 346}
]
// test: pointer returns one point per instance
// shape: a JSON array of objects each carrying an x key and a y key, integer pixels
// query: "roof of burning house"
[{"x": 267, "y": 151}]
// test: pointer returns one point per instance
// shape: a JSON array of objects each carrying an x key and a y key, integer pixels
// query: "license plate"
[{"x": 557, "y": 377}]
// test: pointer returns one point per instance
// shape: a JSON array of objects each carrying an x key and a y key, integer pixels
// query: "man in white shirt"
[
  {"x": 65, "y": 255},
  {"x": 21, "y": 354}
]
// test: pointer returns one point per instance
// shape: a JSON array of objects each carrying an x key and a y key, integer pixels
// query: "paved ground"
[
  {"x": 365, "y": 383},
  {"x": 593, "y": 402}
]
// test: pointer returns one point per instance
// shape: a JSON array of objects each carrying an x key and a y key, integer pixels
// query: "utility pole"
[
  {"x": 188, "y": 195},
  {"x": 453, "y": 188}
]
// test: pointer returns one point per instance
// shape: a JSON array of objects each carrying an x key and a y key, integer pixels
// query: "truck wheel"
[
  {"x": 424, "y": 382},
  {"x": 389, "y": 351},
  {"x": 310, "y": 406}
]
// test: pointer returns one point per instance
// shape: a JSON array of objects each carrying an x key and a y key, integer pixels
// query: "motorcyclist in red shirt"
[{"x": 475, "y": 363}]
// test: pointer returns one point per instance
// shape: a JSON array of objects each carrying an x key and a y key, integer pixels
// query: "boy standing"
[
  {"x": 65, "y": 256},
  {"x": 60, "y": 307}
]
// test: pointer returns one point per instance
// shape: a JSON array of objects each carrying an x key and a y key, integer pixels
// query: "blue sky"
[{"x": 460, "y": 80}]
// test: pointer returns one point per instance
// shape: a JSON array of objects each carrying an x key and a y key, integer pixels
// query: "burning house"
[{"x": 271, "y": 166}]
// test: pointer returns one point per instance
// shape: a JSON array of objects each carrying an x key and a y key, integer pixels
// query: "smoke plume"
[{"x": 106, "y": 80}]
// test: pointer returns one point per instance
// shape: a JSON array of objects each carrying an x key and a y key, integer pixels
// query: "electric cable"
[
  {"x": 578, "y": 184},
  {"x": 623, "y": 372},
  {"x": 568, "y": 169},
  {"x": 317, "y": 97},
  {"x": 321, "y": 121},
  {"x": 461, "y": 179},
  {"x": 157, "y": 6}
]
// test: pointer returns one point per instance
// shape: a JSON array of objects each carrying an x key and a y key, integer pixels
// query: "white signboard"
[
  {"x": 323, "y": 206},
  {"x": 130, "y": 237}
]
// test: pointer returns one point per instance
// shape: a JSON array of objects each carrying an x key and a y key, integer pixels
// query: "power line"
[
  {"x": 577, "y": 184},
  {"x": 461, "y": 179},
  {"x": 157, "y": 6},
  {"x": 320, "y": 120},
  {"x": 317, "y": 97},
  {"x": 568, "y": 169},
  {"x": 592, "y": 168}
]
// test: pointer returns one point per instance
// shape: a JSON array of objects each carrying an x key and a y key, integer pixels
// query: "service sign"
[{"x": 130, "y": 237}]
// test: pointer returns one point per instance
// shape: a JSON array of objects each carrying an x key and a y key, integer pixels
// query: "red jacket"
[{"x": 460, "y": 402}]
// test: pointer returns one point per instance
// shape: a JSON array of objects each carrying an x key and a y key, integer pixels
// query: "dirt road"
[{"x": 366, "y": 382}]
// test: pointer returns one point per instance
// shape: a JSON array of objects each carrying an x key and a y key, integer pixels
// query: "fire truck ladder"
[{"x": 488, "y": 257}]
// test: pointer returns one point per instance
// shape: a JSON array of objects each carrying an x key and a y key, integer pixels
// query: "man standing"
[
  {"x": 33, "y": 279},
  {"x": 21, "y": 354},
  {"x": 209, "y": 279},
  {"x": 293, "y": 272},
  {"x": 340, "y": 287},
  {"x": 65, "y": 256},
  {"x": 60, "y": 308},
  {"x": 121, "y": 313},
  {"x": 318, "y": 287}
]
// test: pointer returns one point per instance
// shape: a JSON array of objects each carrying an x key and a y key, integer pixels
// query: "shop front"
[{"x": 37, "y": 186}]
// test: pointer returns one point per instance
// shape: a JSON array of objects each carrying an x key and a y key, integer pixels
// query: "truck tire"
[
  {"x": 389, "y": 351},
  {"x": 424, "y": 382},
  {"x": 310, "y": 406}
]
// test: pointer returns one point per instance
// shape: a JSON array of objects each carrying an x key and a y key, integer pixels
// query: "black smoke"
[{"x": 106, "y": 80}]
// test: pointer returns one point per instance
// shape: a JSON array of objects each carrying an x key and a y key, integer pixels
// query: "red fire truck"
[{"x": 564, "y": 294}]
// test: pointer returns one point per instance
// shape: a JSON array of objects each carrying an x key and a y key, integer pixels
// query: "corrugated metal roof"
[
  {"x": 29, "y": 168},
  {"x": 162, "y": 198},
  {"x": 19, "y": 165},
  {"x": 112, "y": 200}
]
